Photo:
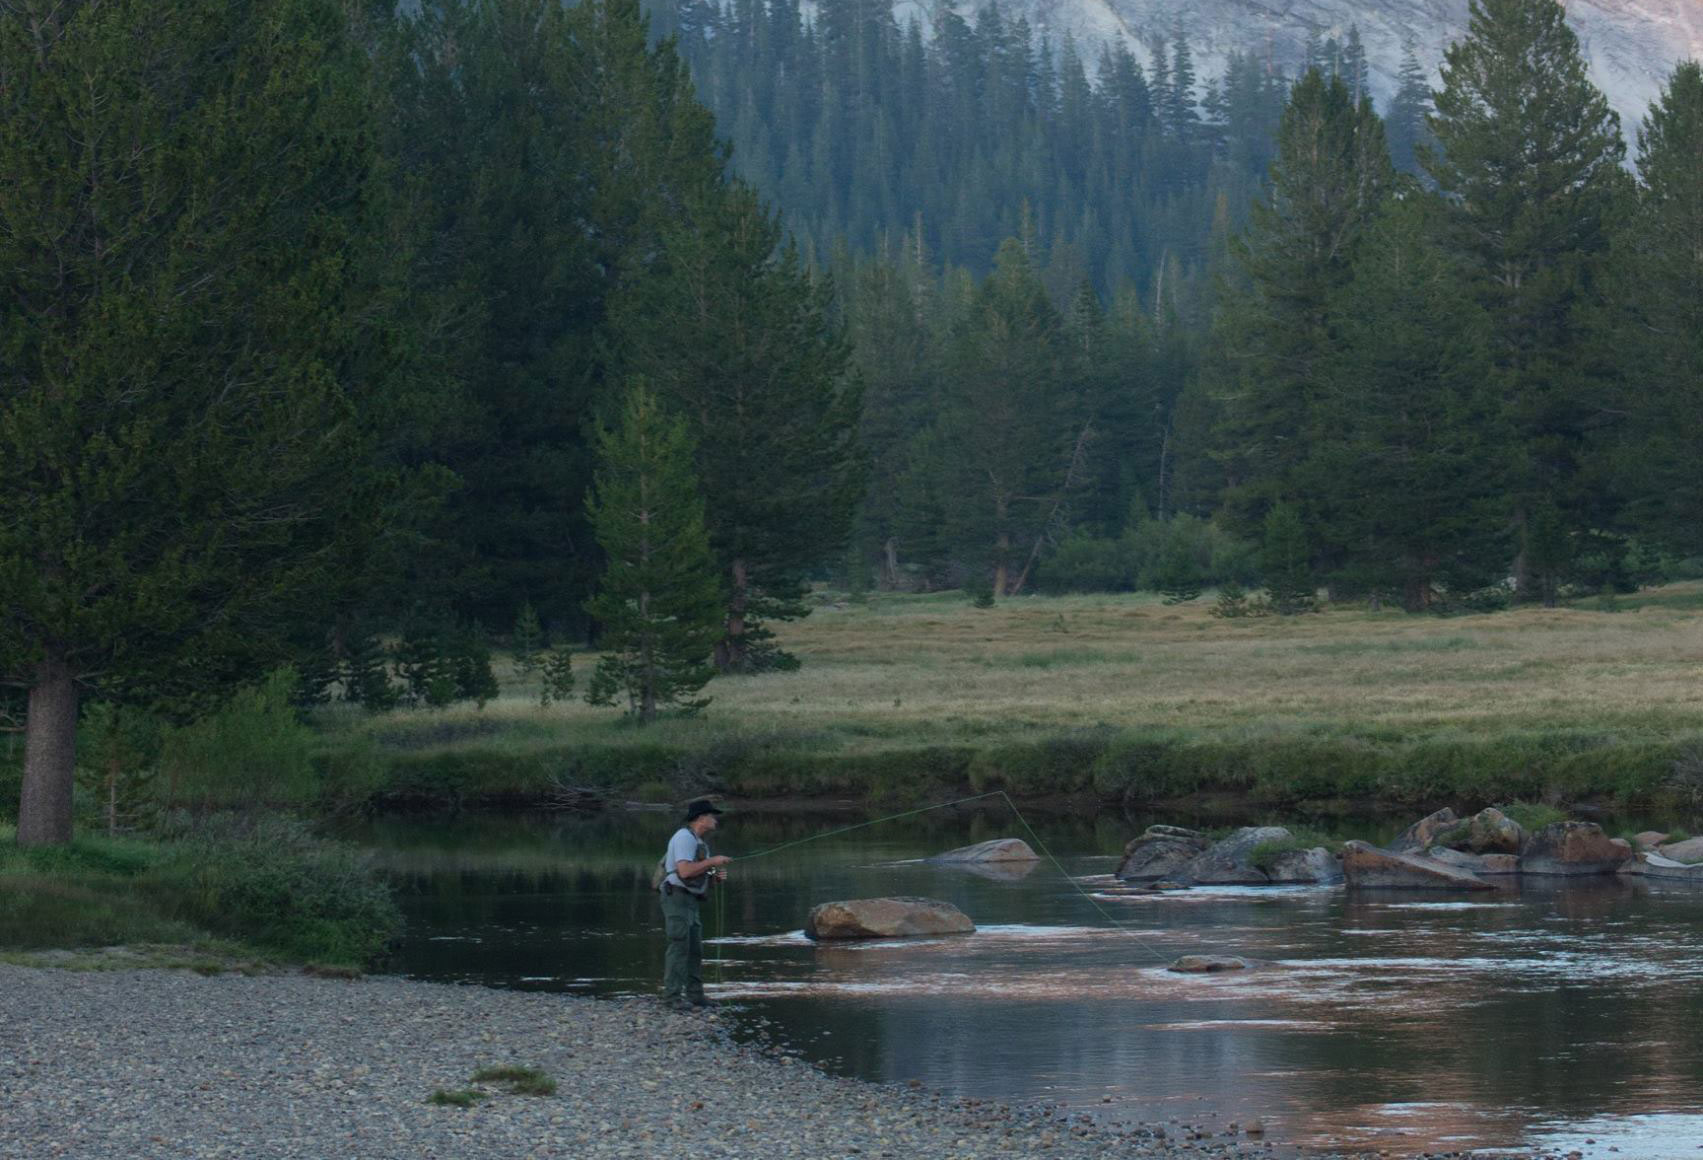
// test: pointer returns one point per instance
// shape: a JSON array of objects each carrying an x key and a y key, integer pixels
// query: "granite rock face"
[{"x": 1631, "y": 46}]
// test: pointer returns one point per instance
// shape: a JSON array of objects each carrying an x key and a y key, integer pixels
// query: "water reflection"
[{"x": 1544, "y": 1014}]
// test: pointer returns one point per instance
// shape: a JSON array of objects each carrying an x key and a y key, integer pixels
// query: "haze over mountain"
[{"x": 1632, "y": 45}]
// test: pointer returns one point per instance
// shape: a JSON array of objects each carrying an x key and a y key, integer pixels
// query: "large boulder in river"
[
  {"x": 1489, "y": 831},
  {"x": 1690, "y": 850},
  {"x": 1653, "y": 865},
  {"x": 1368, "y": 868},
  {"x": 1480, "y": 864},
  {"x": 1423, "y": 834},
  {"x": 1301, "y": 866},
  {"x": 1160, "y": 852},
  {"x": 1230, "y": 862},
  {"x": 998, "y": 850},
  {"x": 1570, "y": 849},
  {"x": 886, "y": 918}
]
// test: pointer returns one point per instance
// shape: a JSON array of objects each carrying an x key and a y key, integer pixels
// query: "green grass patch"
[
  {"x": 1264, "y": 856},
  {"x": 520, "y": 1081},
  {"x": 1533, "y": 816},
  {"x": 460, "y": 1098}
]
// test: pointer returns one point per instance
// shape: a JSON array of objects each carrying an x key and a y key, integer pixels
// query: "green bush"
[
  {"x": 272, "y": 883},
  {"x": 253, "y": 751},
  {"x": 268, "y": 883}
]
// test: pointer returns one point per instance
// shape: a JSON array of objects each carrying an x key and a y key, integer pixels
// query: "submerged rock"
[
  {"x": 997, "y": 850},
  {"x": 1368, "y": 868},
  {"x": 1571, "y": 849},
  {"x": 1423, "y": 834},
  {"x": 1207, "y": 964},
  {"x": 1227, "y": 863},
  {"x": 886, "y": 918},
  {"x": 1160, "y": 852}
]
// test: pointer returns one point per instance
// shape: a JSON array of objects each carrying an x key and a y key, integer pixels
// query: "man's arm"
[{"x": 692, "y": 869}]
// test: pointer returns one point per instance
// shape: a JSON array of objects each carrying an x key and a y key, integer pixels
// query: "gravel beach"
[{"x": 155, "y": 1064}]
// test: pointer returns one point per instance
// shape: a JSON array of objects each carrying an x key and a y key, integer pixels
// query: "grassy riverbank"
[
  {"x": 220, "y": 892},
  {"x": 1120, "y": 698}
]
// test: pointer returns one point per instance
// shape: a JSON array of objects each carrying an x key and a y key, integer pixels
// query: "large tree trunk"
[
  {"x": 50, "y": 756},
  {"x": 730, "y": 650},
  {"x": 890, "y": 564}
]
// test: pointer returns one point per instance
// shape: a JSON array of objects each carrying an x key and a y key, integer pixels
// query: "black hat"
[{"x": 699, "y": 808}]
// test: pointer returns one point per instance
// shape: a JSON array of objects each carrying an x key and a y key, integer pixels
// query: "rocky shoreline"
[{"x": 154, "y": 1064}]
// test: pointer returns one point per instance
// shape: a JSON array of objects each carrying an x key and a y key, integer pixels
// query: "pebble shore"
[{"x": 149, "y": 1065}]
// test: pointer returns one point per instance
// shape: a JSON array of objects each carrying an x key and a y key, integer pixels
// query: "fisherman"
[{"x": 691, "y": 869}]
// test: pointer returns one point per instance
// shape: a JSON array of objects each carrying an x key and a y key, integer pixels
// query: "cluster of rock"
[
  {"x": 1448, "y": 852},
  {"x": 1441, "y": 851},
  {"x": 1252, "y": 856}
]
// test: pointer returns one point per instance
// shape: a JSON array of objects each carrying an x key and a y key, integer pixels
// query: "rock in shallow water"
[
  {"x": 1207, "y": 964},
  {"x": 886, "y": 918},
  {"x": 1160, "y": 853},
  {"x": 1369, "y": 868},
  {"x": 997, "y": 850},
  {"x": 1228, "y": 863},
  {"x": 1570, "y": 849}
]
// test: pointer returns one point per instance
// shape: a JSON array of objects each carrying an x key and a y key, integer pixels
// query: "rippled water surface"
[{"x": 1547, "y": 1014}]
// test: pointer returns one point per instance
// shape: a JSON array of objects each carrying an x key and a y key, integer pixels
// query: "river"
[{"x": 1551, "y": 1014}]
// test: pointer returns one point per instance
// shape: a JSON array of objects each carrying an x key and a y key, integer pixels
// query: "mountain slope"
[{"x": 1632, "y": 44}]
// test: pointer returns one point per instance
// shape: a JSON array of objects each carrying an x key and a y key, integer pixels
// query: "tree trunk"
[
  {"x": 730, "y": 650},
  {"x": 50, "y": 756},
  {"x": 890, "y": 565}
]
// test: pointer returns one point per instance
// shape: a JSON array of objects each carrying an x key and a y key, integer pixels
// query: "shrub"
[
  {"x": 272, "y": 883},
  {"x": 254, "y": 750}
]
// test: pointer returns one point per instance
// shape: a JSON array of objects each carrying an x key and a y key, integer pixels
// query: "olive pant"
[{"x": 683, "y": 966}]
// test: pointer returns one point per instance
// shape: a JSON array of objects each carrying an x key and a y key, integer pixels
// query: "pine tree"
[
  {"x": 1405, "y": 120},
  {"x": 1657, "y": 331},
  {"x": 658, "y": 601},
  {"x": 736, "y": 338},
  {"x": 1330, "y": 178},
  {"x": 1529, "y": 154},
  {"x": 1286, "y": 562},
  {"x": 1407, "y": 490},
  {"x": 188, "y": 233}
]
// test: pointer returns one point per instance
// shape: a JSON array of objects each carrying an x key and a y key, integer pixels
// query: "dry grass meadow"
[{"x": 903, "y": 673}]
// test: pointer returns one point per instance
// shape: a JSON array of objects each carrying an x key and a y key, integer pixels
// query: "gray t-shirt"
[{"x": 685, "y": 846}]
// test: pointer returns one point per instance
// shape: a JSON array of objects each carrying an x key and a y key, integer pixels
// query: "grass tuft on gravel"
[
  {"x": 520, "y": 1081},
  {"x": 461, "y": 1098}
]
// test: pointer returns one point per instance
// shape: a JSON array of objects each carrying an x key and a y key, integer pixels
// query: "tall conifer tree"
[
  {"x": 187, "y": 233},
  {"x": 658, "y": 601},
  {"x": 1529, "y": 154},
  {"x": 735, "y": 336}
]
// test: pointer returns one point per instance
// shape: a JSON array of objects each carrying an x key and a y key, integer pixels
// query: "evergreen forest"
[{"x": 354, "y": 337}]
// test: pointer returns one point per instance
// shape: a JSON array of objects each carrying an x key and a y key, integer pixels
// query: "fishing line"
[{"x": 997, "y": 793}]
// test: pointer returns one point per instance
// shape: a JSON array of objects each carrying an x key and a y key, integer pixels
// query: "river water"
[{"x": 1549, "y": 1015}]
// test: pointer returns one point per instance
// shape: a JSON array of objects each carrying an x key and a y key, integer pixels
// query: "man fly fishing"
[{"x": 689, "y": 868}]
